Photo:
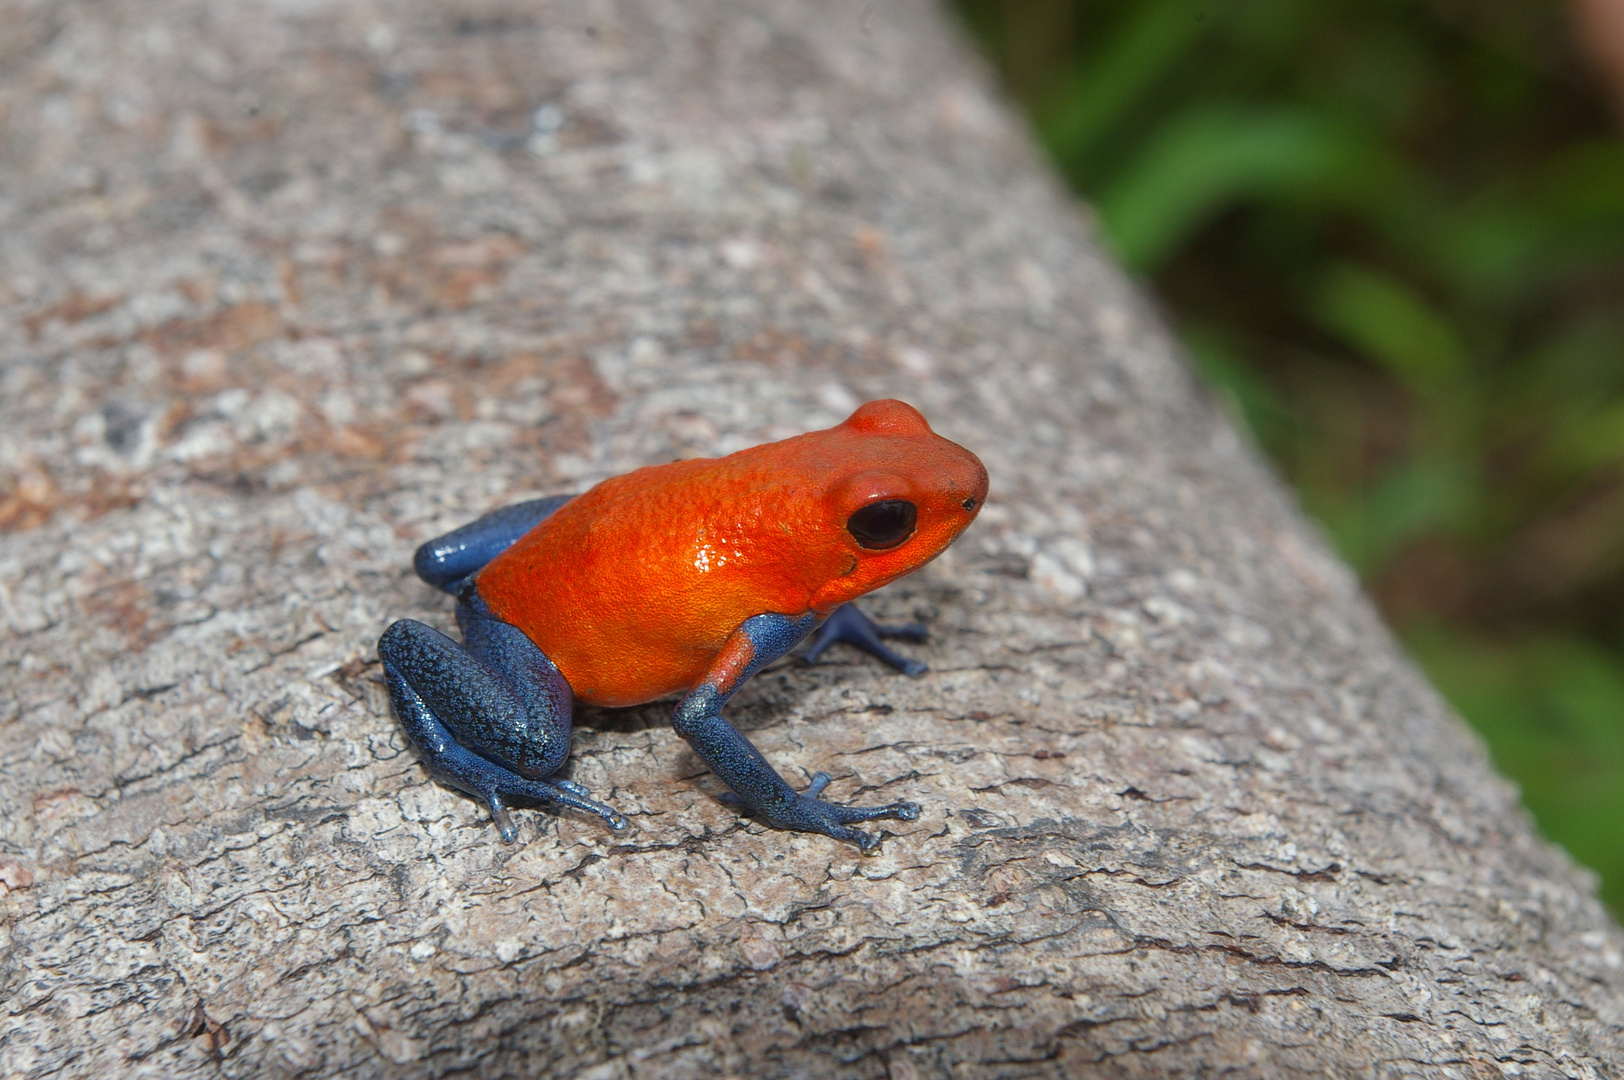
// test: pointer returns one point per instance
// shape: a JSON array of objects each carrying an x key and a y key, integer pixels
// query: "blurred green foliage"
[{"x": 1392, "y": 232}]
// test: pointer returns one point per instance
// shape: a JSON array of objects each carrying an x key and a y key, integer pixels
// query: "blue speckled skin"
[
  {"x": 492, "y": 714},
  {"x": 446, "y": 561},
  {"x": 850, "y": 625},
  {"x": 731, "y": 756}
]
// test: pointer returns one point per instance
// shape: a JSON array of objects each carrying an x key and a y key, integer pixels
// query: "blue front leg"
[
  {"x": 698, "y": 719},
  {"x": 490, "y": 716},
  {"x": 850, "y": 625}
]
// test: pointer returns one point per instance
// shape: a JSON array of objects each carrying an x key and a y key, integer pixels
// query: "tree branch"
[{"x": 286, "y": 289}]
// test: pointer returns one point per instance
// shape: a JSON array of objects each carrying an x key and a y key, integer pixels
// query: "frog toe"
[
  {"x": 505, "y": 828},
  {"x": 900, "y": 811}
]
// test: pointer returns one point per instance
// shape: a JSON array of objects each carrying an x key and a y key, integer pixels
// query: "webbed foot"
[
  {"x": 808, "y": 813},
  {"x": 849, "y": 624},
  {"x": 498, "y": 694},
  {"x": 563, "y": 792}
]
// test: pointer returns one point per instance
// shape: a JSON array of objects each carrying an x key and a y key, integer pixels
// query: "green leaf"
[
  {"x": 1249, "y": 398},
  {"x": 1415, "y": 499},
  {"x": 1212, "y": 156},
  {"x": 1490, "y": 250},
  {"x": 1390, "y": 323},
  {"x": 1585, "y": 183},
  {"x": 1409, "y": 501},
  {"x": 1589, "y": 443},
  {"x": 1552, "y": 709},
  {"x": 1106, "y": 84}
]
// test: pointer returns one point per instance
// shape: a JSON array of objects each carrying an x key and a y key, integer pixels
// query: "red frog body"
[{"x": 679, "y": 578}]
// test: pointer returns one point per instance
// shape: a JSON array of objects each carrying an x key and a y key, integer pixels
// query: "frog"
[{"x": 680, "y": 580}]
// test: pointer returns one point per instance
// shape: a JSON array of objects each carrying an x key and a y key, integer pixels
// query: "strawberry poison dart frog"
[{"x": 682, "y": 578}]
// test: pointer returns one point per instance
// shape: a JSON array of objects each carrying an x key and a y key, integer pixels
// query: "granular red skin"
[{"x": 632, "y": 588}]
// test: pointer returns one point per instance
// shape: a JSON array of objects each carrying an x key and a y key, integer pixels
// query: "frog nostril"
[{"x": 969, "y": 504}]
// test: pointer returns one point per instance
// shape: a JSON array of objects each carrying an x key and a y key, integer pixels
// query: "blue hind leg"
[
  {"x": 446, "y": 562},
  {"x": 490, "y": 716}
]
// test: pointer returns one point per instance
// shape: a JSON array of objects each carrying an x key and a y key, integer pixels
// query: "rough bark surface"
[{"x": 286, "y": 288}]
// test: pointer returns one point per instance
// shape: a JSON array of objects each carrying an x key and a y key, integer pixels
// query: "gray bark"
[{"x": 288, "y": 287}]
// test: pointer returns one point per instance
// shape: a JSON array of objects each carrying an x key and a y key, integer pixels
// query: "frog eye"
[{"x": 883, "y": 524}]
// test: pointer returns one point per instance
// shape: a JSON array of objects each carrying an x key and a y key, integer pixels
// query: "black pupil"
[{"x": 883, "y": 524}]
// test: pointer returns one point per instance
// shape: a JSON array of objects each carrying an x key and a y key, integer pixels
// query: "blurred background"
[{"x": 1391, "y": 232}]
